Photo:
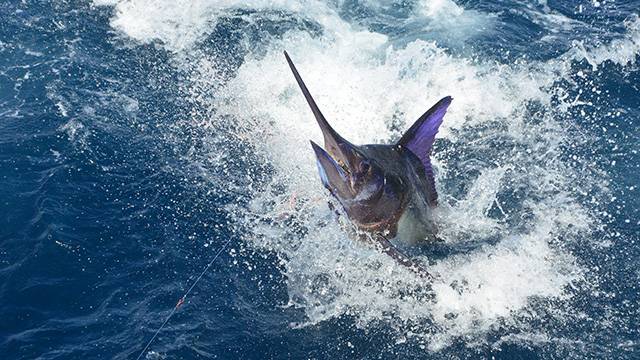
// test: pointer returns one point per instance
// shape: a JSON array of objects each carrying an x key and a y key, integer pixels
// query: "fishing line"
[{"x": 183, "y": 298}]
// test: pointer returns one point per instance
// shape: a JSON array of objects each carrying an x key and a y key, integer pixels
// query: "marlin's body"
[
  {"x": 412, "y": 220},
  {"x": 387, "y": 191}
]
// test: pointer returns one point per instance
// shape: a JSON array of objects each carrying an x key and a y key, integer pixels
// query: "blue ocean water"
[{"x": 137, "y": 137}]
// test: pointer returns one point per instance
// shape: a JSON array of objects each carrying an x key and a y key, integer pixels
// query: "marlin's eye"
[{"x": 343, "y": 165}]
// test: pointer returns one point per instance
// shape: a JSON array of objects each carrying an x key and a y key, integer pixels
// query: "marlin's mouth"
[{"x": 335, "y": 176}]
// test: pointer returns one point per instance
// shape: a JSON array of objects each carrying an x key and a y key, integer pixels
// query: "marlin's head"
[
  {"x": 372, "y": 198},
  {"x": 348, "y": 174}
]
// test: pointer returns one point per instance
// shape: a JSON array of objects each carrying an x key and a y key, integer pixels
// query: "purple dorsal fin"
[{"x": 419, "y": 140}]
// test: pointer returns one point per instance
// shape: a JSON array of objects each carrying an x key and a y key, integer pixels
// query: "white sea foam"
[
  {"x": 361, "y": 82},
  {"x": 621, "y": 51},
  {"x": 180, "y": 24}
]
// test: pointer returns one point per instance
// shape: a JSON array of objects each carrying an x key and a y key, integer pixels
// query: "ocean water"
[{"x": 138, "y": 137}]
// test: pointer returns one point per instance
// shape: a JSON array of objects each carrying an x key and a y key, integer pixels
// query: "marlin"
[{"x": 386, "y": 191}]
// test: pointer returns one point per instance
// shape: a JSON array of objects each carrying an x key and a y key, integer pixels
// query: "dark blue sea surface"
[{"x": 137, "y": 138}]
